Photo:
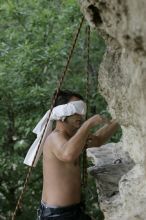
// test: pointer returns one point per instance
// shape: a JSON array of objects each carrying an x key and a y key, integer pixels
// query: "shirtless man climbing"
[{"x": 61, "y": 195}]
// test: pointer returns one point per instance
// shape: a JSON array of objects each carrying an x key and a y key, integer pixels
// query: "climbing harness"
[{"x": 52, "y": 105}]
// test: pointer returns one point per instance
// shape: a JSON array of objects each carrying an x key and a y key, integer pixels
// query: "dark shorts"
[{"x": 73, "y": 212}]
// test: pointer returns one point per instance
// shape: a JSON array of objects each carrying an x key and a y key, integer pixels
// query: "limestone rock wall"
[{"x": 122, "y": 23}]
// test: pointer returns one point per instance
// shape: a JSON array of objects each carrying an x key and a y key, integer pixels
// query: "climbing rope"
[
  {"x": 52, "y": 105},
  {"x": 84, "y": 172}
]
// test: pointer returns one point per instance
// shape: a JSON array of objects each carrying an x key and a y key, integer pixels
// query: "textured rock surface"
[
  {"x": 123, "y": 84},
  {"x": 111, "y": 163}
]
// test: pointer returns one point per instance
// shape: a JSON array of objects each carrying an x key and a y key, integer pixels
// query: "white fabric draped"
[{"x": 58, "y": 113}]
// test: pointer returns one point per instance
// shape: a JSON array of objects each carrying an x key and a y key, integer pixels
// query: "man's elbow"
[
  {"x": 95, "y": 141},
  {"x": 102, "y": 140}
]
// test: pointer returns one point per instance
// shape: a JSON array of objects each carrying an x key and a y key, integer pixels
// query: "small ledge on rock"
[{"x": 111, "y": 163}]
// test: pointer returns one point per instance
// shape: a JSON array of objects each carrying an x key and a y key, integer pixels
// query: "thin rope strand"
[{"x": 85, "y": 175}]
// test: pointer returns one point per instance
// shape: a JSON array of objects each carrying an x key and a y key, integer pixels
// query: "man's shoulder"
[
  {"x": 55, "y": 134},
  {"x": 54, "y": 137},
  {"x": 53, "y": 142},
  {"x": 50, "y": 142}
]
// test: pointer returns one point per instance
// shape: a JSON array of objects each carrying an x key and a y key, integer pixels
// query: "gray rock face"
[
  {"x": 111, "y": 163},
  {"x": 123, "y": 84}
]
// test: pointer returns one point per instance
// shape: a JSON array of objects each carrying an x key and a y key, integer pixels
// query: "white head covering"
[{"x": 58, "y": 113}]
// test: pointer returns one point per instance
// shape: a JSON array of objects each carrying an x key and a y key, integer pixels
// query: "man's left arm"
[{"x": 102, "y": 135}]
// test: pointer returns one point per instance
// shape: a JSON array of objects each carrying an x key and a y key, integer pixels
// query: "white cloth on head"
[{"x": 59, "y": 112}]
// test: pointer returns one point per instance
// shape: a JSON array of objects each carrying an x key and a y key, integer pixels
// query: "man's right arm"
[{"x": 69, "y": 150}]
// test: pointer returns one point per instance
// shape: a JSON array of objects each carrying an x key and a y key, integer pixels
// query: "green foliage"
[{"x": 35, "y": 39}]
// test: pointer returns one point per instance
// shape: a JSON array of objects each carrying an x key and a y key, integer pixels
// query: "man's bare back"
[{"x": 62, "y": 181}]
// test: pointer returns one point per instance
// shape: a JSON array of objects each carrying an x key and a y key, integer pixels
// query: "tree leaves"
[{"x": 35, "y": 39}]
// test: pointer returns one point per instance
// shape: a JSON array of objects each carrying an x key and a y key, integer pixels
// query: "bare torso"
[{"x": 62, "y": 181}]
